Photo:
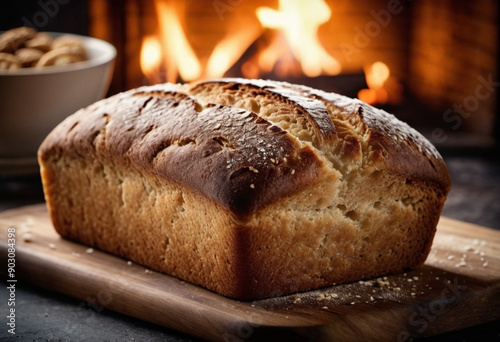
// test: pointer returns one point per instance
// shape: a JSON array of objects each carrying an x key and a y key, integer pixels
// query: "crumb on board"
[
  {"x": 89, "y": 251},
  {"x": 52, "y": 246},
  {"x": 27, "y": 237},
  {"x": 129, "y": 263}
]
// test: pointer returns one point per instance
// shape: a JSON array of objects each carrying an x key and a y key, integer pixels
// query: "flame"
[
  {"x": 180, "y": 58},
  {"x": 229, "y": 50},
  {"x": 300, "y": 21},
  {"x": 376, "y": 75},
  {"x": 150, "y": 57},
  {"x": 294, "y": 49}
]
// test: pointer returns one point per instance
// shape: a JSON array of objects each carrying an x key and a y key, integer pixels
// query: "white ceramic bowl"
[{"x": 34, "y": 100}]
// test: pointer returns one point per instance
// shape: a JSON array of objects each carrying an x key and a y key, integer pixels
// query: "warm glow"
[
  {"x": 299, "y": 20},
  {"x": 293, "y": 47},
  {"x": 179, "y": 56},
  {"x": 150, "y": 56},
  {"x": 229, "y": 50},
  {"x": 376, "y": 75}
]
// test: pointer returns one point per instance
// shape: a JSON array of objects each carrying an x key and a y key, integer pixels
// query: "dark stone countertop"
[{"x": 48, "y": 316}]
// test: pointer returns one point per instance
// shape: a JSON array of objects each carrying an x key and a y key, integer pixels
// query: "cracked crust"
[{"x": 249, "y": 188}]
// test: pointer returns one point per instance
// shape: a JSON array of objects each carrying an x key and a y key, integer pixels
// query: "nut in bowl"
[{"x": 43, "y": 79}]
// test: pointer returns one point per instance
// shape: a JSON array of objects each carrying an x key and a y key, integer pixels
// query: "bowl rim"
[{"x": 108, "y": 55}]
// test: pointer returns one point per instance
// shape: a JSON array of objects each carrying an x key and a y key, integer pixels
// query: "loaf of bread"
[{"x": 249, "y": 188}]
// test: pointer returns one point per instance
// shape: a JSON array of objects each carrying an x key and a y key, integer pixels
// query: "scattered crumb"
[
  {"x": 148, "y": 271},
  {"x": 352, "y": 303},
  {"x": 27, "y": 237},
  {"x": 52, "y": 246},
  {"x": 468, "y": 248},
  {"x": 320, "y": 297},
  {"x": 325, "y": 307},
  {"x": 415, "y": 278},
  {"x": 451, "y": 257},
  {"x": 371, "y": 299},
  {"x": 293, "y": 171},
  {"x": 297, "y": 300},
  {"x": 89, "y": 251},
  {"x": 75, "y": 254},
  {"x": 481, "y": 254},
  {"x": 409, "y": 280},
  {"x": 462, "y": 263},
  {"x": 129, "y": 263},
  {"x": 485, "y": 264},
  {"x": 437, "y": 278},
  {"x": 334, "y": 295},
  {"x": 252, "y": 186},
  {"x": 358, "y": 296},
  {"x": 413, "y": 294},
  {"x": 251, "y": 168},
  {"x": 30, "y": 222}
]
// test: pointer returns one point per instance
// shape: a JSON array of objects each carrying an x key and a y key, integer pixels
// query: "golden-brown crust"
[
  {"x": 249, "y": 188},
  {"x": 229, "y": 155}
]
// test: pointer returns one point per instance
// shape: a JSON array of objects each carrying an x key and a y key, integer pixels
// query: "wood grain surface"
[{"x": 458, "y": 287}]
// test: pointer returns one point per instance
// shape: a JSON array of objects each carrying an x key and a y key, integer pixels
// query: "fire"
[
  {"x": 295, "y": 47},
  {"x": 299, "y": 21},
  {"x": 376, "y": 75},
  {"x": 180, "y": 58},
  {"x": 151, "y": 57}
]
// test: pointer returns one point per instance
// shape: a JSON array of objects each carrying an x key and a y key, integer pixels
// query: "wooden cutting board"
[{"x": 458, "y": 287}]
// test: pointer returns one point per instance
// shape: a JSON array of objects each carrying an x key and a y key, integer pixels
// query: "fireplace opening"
[{"x": 434, "y": 64}]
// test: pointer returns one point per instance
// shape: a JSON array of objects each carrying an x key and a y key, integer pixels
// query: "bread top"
[{"x": 245, "y": 143}]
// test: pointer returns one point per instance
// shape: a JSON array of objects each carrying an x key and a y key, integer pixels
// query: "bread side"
[{"x": 249, "y": 188}]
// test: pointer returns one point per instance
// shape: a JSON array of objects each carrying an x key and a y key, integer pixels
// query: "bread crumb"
[
  {"x": 358, "y": 296},
  {"x": 252, "y": 186},
  {"x": 451, "y": 257},
  {"x": 75, "y": 254},
  {"x": 413, "y": 294},
  {"x": 334, "y": 295},
  {"x": 320, "y": 297},
  {"x": 485, "y": 264},
  {"x": 147, "y": 271},
  {"x": 89, "y": 251},
  {"x": 251, "y": 168},
  {"x": 129, "y": 262},
  {"x": 297, "y": 300},
  {"x": 468, "y": 248},
  {"x": 273, "y": 160},
  {"x": 415, "y": 278},
  {"x": 27, "y": 237},
  {"x": 352, "y": 303},
  {"x": 325, "y": 307},
  {"x": 52, "y": 246},
  {"x": 462, "y": 263},
  {"x": 371, "y": 299},
  {"x": 293, "y": 171}
]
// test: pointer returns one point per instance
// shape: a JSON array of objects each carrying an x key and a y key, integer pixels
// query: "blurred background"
[{"x": 434, "y": 64}]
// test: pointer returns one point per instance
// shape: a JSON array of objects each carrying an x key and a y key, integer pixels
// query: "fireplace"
[{"x": 434, "y": 64}]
